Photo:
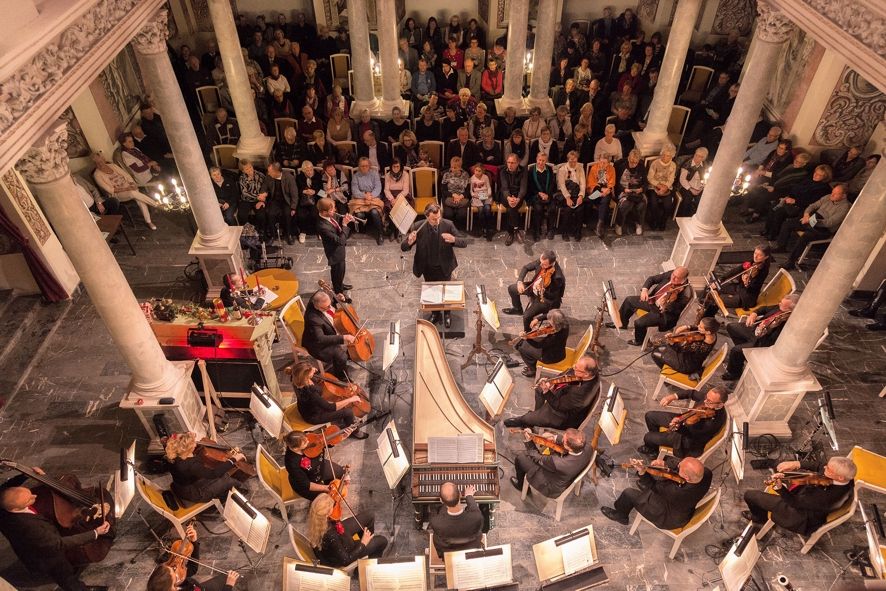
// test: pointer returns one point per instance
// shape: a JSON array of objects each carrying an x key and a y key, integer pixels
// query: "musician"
[
  {"x": 758, "y": 329},
  {"x": 308, "y": 476},
  {"x": 687, "y": 356},
  {"x": 665, "y": 503},
  {"x": 192, "y": 481},
  {"x": 320, "y": 337},
  {"x": 545, "y": 289},
  {"x": 551, "y": 475},
  {"x": 746, "y": 282},
  {"x": 455, "y": 527},
  {"x": 563, "y": 406},
  {"x": 164, "y": 578},
  {"x": 802, "y": 508},
  {"x": 662, "y": 297},
  {"x": 334, "y": 236},
  {"x": 683, "y": 438},
  {"x": 36, "y": 540},
  {"x": 549, "y": 348},
  {"x": 334, "y": 542},
  {"x": 313, "y": 407},
  {"x": 434, "y": 258}
]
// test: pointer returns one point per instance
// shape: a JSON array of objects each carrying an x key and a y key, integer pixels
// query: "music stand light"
[
  {"x": 266, "y": 411},
  {"x": 394, "y": 462},
  {"x": 391, "y": 346},
  {"x": 124, "y": 480}
]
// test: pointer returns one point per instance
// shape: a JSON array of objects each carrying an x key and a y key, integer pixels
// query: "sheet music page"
[
  {"x": 305, "y": 581},
  {"x": 258, "y": 533},
  {"x": 453, "y": 292},
  {"x": 610, "y": 428},
  {"x": 576, "y": 555},
  {"x": 402, "y": 214},
  {"x": 431, "y": 294},
  {"x": 270, "y": 419},
  {"x": 470, "y": 448},
  {"x": 618, "y": 408},
  {"x": 492, "y": 398},
  {"x": 254, "y": 532},
  {"x": 443, "y": 450},
  {"x": 396, "y": 577},
  {"x": 478, "y": 573}
]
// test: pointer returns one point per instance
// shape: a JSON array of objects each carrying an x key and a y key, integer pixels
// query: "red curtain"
[{"x": 46, "y": 281}]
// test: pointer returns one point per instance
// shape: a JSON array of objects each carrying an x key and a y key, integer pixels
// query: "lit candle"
[
  {"x": 161, "y": 189},
  {"x": 174, "y": 182},
  {"x": 157, "y": 196}
]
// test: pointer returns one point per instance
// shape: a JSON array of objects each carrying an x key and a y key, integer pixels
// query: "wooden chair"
[
  {"x": 498, "y": 210},
  {"x": 275, "y": 479},
  {"x": 208, "y": 99},
  {"x": 292, "y": 319},
  {"x": 677, "y": 124},
  {"x": 871, "y": 469},
  {"x": 779, "y": 286},
  {"x": 575, "y": 486},
  {"x": 223, "y": 154},
  {"x": 436, "y": 151},
  {"x": 346, "y": 150},
  {"x": 305, "y": 552},
  {"x": 339, "y": 64},
  {"x": 716, "y": 441},
  {"x": 836, "y": 517},
  {"x": 703, "y": 512},
  {"x": 699, "y": 80},
  {"x": 424, "y": 187},
  {"x": 153, "y": 496},
  {"x": 572, "y": 355},
  {"x": 672, "y": 377},
  {"x": 810, "y": 245},
  {"x": 282, "y": 123}
]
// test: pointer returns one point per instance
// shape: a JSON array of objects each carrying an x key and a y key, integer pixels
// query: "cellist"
[
  {"x": 316, "y": 409},
  {"x": 320, "y": 337},
  {"x": 685, "y": 439},
  {"x": 309, "y": 477},
  {"x": 167, "y": 578}
]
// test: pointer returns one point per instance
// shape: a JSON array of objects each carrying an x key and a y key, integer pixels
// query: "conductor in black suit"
[
  {"x": 320, "y": 337},
  {"x": 456, "y": 528},
  {"x": 434, "y": 239},
  {"x": 37, "y": 541},
  {"x": 802, "y": 509},
  {"x": 686, "y": 440},
  {"x": 563, "y": 406},
  {"x": 541, "y": 297},
  {"x": 665, "y": 503},
  {"x": 334, "y": 236},
  {"x": 551, "y": 475},
  {"x": 663, "y": 297}
]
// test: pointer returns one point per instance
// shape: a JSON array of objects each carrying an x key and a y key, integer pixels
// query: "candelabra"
[
  {"x": 175, "y": 199},
  {"x": 741, "y": 182}
]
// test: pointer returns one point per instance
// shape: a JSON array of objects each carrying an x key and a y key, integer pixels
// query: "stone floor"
[{"x": 63, "y": 380}]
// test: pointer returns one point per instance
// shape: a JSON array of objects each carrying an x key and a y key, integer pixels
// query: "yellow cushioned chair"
[
  {"x": 305, "y": 552},
  {"x": 871, "y": 469},
  {"x": 572, "y": 355},
  {"x": 153, "y": 496},
  {"x": 275, "y": 479},
  {"x": 703, "y": 512},
  {"x": 779, "y": 286},
  {"x": 669, "y": 375},
  {"x": 424, "y": 187}
]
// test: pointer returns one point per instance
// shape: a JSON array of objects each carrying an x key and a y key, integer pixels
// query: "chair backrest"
[
  {"x": 847, "y": 506},
  {"x": 779, "y": 286},
  {"x": 300, "y": 544},
  {"x": 208, "y": 98},
  {"x": 718, "y": 437},
  {"x": 703, "y": 511},
  {"x": 270, "y": 473},
  {"x": 281, "y": 123},
  {"x": 292, "y": 318},
  {"x": 117, "y": 158},
  {"x": 223, "y": 154},
  {"x": 339, "y": 64},
  {"x": 678, "y": 120},
  {"x": 582, "y": 347},
  {"x": 712, "y": 365},
  {"x": 871, "y": 469},
  {"x": 151, "y": 493},
  {"x": 610, "y": 119},
  {"x": 425, "y": 180},
  {"x": 435, "y": 151},
  {"x": 699, "y": 79}
]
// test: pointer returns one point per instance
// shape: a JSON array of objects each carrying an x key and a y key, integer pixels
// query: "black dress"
[
  {"x": 303, "y": 470},
  {"x": 338, "y": 547},
  {"x": 194, "y": 482},
  {"x": 316, "y": 409}
]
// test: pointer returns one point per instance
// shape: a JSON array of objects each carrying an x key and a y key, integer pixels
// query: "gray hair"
[
  {"x": 793, "y": 297},
  {"x": 702, "y": 151},
  {"x": 668, "y": 148},
  {"x": 843, "y": 467},
  {"x": 557, "y": 318}
]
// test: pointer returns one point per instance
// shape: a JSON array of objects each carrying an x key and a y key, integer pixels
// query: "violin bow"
[{"x": 334, "y": 477}]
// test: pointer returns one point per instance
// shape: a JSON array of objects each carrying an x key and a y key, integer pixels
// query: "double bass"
[
  {"x": 345, "y": 322},
  {"x": 74, "y": 509}
]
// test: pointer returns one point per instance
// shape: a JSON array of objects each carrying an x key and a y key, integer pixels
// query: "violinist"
[
  {"x": 320, "y": 337},
  {"x": 686, "y": 435},
  {"x": 309, "y": 477},
  {"x": 760, "y": 328},
  {"x": 192, "y": 481},
  {"x": 169, "y": 578},
  {"x": 741, "y": 285},
  {"x": 665, "y": 502},
  {"x": 550, "y": 347},
  {"x": 36, "y": 540},
  {"x": 799, "y": 507},
  {"x": 313, "y": 407},
  {"x": 687, "y": 347},
  {"x": 551, "y": 474},
  {"x": 455, "y": 527},
  {"x": 544, "y": 290},
  {"x": 334, "y": 236},
  {"x": 339, "y": 543},
  {"x": 662, "y": 297},
  {"x": 566, "y": 402}
]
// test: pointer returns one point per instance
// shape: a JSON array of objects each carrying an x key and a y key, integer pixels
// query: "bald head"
[
  {"x": 449, "y": 494},
  {"x": 17, "y": 498},
  {"x": 679, "y": 275},
  {"x": 692, "y": 470}
]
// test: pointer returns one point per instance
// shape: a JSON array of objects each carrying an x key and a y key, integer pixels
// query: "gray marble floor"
[{"x": 64, "y": 414}]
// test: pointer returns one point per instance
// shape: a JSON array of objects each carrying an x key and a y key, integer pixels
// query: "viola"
[
  {"x": 338, "y": 490},
  {"x": 666, "y": 297},
  {"x": 544, "y": 329},
  {"x": 212, "y": 454},
  {"x": 691, "y": 417},
  {"x": 659, "y": 472},
  {"x": 179, "y": 553},
  {"x": 335, "y": 390},
  {"x": 800, "y": 479},
  {"x": 543, "y": 442},
  {"x": 328, "y": 437},
  {"x": 681, "y": 338},
  {"x": 564, "y": 379},
  {"x": 345, "y": 322}
]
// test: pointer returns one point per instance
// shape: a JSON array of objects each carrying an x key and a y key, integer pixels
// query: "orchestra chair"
[
  {"x": 810, "y": 245},
  {"x": 292, "y": 319},
  {"x": 424, "y": 187},
  {"x": 703, "y": 512},
  {"x": 305, "y": 553},
  {"x": 572, "y": 355},
  {"x": 435, "y": 152},
  {"x": 699, "y": 80},
  {"x": 275, "y": 479},
  {"x": 436, "y": 565},
  {"x": 282, "y": 123},
  {"x": 668, "y": 375},
  {"x": 687, "y": 316},
  {"x": 339, "y": 64},
  {"x": 153, "y": 496},
  {"x": 223, "y": 155},
  {"x": 716, "y": 442},
  {"x": 871, "y": 469},
  {"x": 293, "y": 421},
  {"x": 779, "y": 286},
  {"x": 498, "y": 210},
  {"x": 208, "y": 99},
  {"x": 836, "y": 517},
  {"x": 575, "y": 486}
]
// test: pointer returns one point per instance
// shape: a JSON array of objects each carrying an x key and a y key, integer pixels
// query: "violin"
[
  {"x": 346, "y": 321},
  {"x": 564, "y": 379},
  {"x": 658, "y": 471},
  {"x": 338, "y": 490},
  {"x": 666, "y": 297},
  {"x": 179, "y": 553},
  {"x": 691, "y": 417},
  {"x": 545, "y": 275},
  {"x": 543, "y": 329},
  {"x": 800, "y": 479},
  {"x": 335, "y": 390},
  {"x": 328, "y": 437},
  {"x": 748, "y": 272},
  {"x": 543, "y": 442},
  {"x": 681, "y": 338},
  {"x": 212, "y": 454}
]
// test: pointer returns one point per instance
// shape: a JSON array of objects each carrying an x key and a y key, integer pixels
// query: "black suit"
[
  {"x": 335, "y": 238},
  {"x": 228, "y": 193},
  {"x": 547, "y": 349},
  {"x": 688, "y": 440},
  {"x": 550, "y": 475},
  {"x": 382, "y": 154},
  {"x": 553, "y": 295},
  {"x": 434, "y": 258},
  {"x": 654, "y": 316},
  {"x": 564, "y": 407},
  {"x": 323, "y": 342},
  {"x": 468, "y": 153},
  {"x": 280, "y": 205},
  {"x": 39, "y": 545},
  {"x": 457, "y": 532},
  {"x": 666, "y": 504},
  {"x": 744, "y": 337}
]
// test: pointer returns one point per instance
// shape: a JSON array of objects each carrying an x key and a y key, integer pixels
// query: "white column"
[
  {"x": 45, "y": 166},
  {"x": 215, "y": 239},
  {"x": 542, "y": 55},
  {"x": 518, "y": 21},
  {"x": 253, "y": 144},
  {"x": 776, "y": 378},
  {"x": 358, "y": 29},
  {"x": 703, "y": 236},
  {"x": 649, "y": 140},
  {"x": 389, "y": 56}
]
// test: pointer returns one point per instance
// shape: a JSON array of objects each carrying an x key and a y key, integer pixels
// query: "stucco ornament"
[
  {"x": 47, "y": 160},
  {"x": 151, "y": 39},
  {"x": 772, "y": 25}
]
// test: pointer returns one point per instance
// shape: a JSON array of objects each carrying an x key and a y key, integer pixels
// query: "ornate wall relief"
[
  {"x": 646, "y": 10},
  {"x": 122, "y": 84},
  {"x": 734, "y": 15},
  {"x": 792, "y": 64},
  {"x": 204, "y": 19},
  {"x": 78, "y": 147},
  {"x": 853, "y": 112},
  {"x": 858, "y": 19},
  {"x": 502, "y": 12},
  {"x": 26, "y": 206}
]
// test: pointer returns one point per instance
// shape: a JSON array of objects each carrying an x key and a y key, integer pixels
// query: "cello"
[
  {"x": 335, "y": 390},
  {"x": 212, "y": 454},
  {"x": 346, "y": 321},
  {"x": 74, "y": 509}
]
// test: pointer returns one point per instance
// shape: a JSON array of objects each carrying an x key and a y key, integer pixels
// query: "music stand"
[
  {"x": 738, "y": 450},
  {"x": 563, "y": 556},
  {"x": 391, "y": 346},
  {"x": 394, "y": 464},
  {"x": 301, "y": 576},
  {"x": 248, "y": 524},
  {"x": 486, "y": 310},
  {"x": 266, "y": 411},
  {"x": 738, "y": 564},
  {"x": 404, "y": 574},
  {"x": 124, "y": 480},
  {"x": 402, "y": 215},
  {"x": 614, "y": 415},
  {"x": 467, "y": 570},
  {"x": 612, "y": 304},
  {"x": 444, "y": 296},
  {"x": 873, "y": 526},
  {"x": 497, "y": 390}
]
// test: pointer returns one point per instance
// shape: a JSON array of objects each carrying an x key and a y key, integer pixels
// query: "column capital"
[
  {"x": 772, "y": 25},
  {"x": 47, "y": 160},
  {"x": 151, "y": 39}
]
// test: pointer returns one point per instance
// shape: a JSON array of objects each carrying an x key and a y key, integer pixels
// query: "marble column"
[
  {"x": 388, "y": 55},
  {"x": 253, "y": 145},
  {"x": 215, "y": 242},
  {"x": 154, "y": 378},
  {"x": 703, "y": 236},
  {"x": 358, "y": 29},
  {"x": 650, "y": 140},
  {"x": 518, "y": 17},
  {"x": 542, "y": 56},
  {"x": 776, "y": 378}
]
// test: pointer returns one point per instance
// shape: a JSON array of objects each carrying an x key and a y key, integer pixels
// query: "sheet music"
[
  {"x": 402, "y": 214},
  {"x": 253, "y": 531},
  {"x": 306, "y": 581},
  {"x": 431, "y": 294},
  {"x": 618, "y": 408},
  {"x": 270, "y": 418},
  {"x": 492, "y": 397},
  {"x": 266, "y": 294},
  {"x": 393, "y": 468},
  {"x": 453, "y": 292},
  {"x": 396, "y": 577},
  {"x": 576, "y": 555},
  {"x": 463, "y": 448},
  {"x": 479, "y": 573}
]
